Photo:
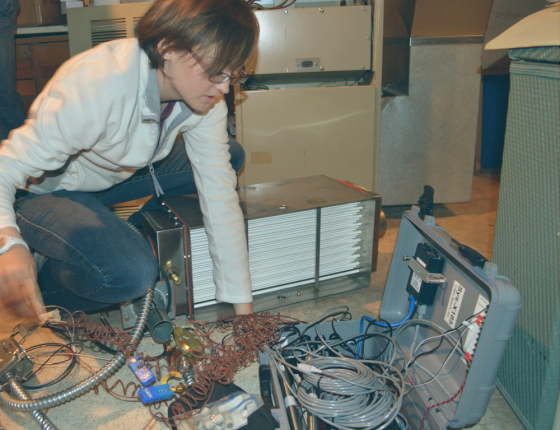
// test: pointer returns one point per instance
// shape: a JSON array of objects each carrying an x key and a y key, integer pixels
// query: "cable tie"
[{"x": 308, "y": 368}]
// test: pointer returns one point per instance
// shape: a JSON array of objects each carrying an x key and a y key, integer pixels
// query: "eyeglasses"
[{"x": 221, "y": 77}]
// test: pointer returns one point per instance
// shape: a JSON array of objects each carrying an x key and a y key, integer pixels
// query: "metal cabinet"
[
  {"x": 312, "y": 104},
  {"x": 37, "y": 59}
]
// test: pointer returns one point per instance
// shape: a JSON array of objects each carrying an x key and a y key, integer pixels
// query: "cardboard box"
[{"x": 39, "y": 12}]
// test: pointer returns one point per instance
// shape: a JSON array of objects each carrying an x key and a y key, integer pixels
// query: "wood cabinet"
[{"x": 37, "y": 59}]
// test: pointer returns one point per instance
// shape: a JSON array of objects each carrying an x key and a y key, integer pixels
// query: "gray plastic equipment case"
[{"x": 467, "y": 290}]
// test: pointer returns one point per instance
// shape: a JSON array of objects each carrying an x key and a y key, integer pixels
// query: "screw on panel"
[
  {"x": 321, "y": 10},
  {"x": 321, "y": 68},
  {"x": 363, "y": 67},
  {"x": 363, "y": 8},
  {"x": 286, "y": 12},
  {"x": 367, "y": 38},
  {"x": 287, "y": 70}
]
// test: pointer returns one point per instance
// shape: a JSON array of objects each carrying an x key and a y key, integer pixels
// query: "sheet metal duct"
[
  {"x": 307, "y": 238},
  {"x": 426, "y": 22},
  {"x": 432, "y": 54}
]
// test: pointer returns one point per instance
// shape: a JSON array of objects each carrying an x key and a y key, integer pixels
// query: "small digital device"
[
  {"x": 157, "y": 393},
  {"x": 427, "y": 257},
  {"x": 144, "y": 375}
]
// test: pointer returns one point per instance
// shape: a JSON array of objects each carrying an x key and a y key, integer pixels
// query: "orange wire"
[{"x": 351, "y": 186}]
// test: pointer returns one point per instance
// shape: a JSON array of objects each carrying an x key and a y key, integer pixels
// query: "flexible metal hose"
[
  {"x": 77, "y": 390},
  {"x": 40, "y": 417}
]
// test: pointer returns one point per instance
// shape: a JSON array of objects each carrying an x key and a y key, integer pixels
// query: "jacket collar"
[{"x": 153, "y": 104}]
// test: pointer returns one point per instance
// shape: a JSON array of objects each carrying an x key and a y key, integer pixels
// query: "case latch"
[{"x": 429, "y": 278}]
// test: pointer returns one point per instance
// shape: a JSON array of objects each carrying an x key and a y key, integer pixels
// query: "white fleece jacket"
[{"x": 97, "y": 120}]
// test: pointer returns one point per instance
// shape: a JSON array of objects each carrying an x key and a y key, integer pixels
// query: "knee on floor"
[{"x": 133, "y": 275}]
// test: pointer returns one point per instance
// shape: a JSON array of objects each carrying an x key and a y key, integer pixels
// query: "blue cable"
[{"x": 382, "y": 324}]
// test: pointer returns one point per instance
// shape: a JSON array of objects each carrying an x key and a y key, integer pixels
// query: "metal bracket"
[
  {"x": 13, "y": 359},
  {"x": 128, "y": 311},
  {"x": 427, "y": 277}
]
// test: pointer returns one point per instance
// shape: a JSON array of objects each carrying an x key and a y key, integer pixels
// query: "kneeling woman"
[{"x": 102, "y": 132}]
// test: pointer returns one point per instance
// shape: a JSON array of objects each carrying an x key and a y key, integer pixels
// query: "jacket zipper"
[{"x": 159, "y": 145}]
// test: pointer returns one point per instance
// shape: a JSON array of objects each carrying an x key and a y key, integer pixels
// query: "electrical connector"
[
  {"x": 470, "y": 325},
  {"x": 427, "y": 257},
  {"x": 172, "y": 374},
  {"x": 308, "y": 368},
  {"x": 180, "y": 389},
  {"x": 157, "y": 393},
  {"x": 144, "y": 375}
]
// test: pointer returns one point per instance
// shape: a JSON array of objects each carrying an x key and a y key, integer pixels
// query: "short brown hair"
[{"x": 227, "y": 27}]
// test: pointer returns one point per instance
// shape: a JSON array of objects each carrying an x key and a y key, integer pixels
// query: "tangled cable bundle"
[
  {"x": 95, "y": 331},
  {"x": 344, "y": 377},
  {"x": 356, "y": 397},
  {"x": 220, "y": 362},
  {"x": 335, "y": 380},
  {"x": 352, "y": 394}
]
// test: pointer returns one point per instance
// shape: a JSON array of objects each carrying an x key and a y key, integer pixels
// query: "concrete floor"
[{"x": 470, "y": 223}]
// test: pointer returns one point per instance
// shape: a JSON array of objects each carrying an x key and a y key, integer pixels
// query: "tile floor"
[{"x": 470, "y": 223}]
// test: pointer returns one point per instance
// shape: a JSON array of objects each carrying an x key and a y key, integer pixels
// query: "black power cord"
[
  {"x": 344, "y": 313},
  {"x": 62, "y": 375},
  {"x": 475, "y": 257}
]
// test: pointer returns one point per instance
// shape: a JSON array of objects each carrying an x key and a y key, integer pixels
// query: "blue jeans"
[
  {"x": 11, "y": 109},
  {"x": 94, "y": 258}
]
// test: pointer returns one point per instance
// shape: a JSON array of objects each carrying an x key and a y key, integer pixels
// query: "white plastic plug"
[{"x": 308, "y": 368}]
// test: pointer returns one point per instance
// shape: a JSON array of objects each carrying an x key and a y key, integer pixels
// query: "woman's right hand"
[{"x": 18, "y": 279}]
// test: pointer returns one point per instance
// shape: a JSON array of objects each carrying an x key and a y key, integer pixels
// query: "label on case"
[
  {"x": 454, "y": 304},
  {"x": 472, "y": 335},
  {"x": 416, "y": 281}
]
